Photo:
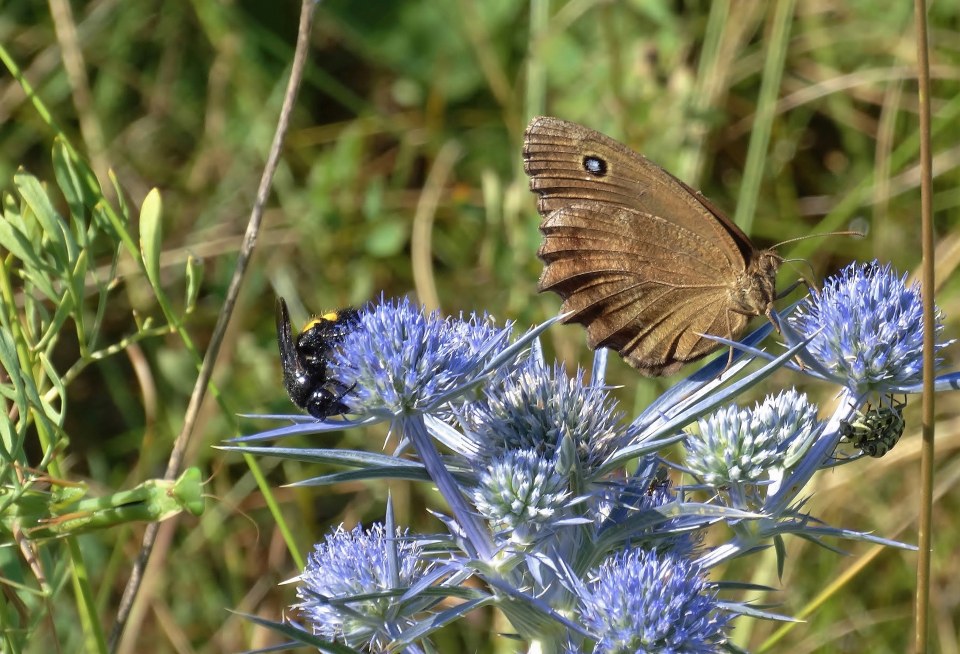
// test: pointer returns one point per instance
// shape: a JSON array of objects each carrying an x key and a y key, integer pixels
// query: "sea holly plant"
[{"x": 562, "y": 512}]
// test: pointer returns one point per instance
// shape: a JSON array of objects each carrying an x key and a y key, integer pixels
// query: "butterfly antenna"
[
  {"x": 805, "y": 237},
  {"x": 808, "y": 282}
]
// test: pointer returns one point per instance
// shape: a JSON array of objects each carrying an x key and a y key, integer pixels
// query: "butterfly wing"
[
  {"x": 642, "y": 260},
  {"x": 625, "y": 275},
  {"x": 556, "y": 151}
]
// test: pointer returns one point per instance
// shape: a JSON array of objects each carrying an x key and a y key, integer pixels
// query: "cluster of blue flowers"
[{"x": 561, "y": 513}]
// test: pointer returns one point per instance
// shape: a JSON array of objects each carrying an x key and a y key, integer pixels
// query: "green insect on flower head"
[{"x": 876, "y": 430}]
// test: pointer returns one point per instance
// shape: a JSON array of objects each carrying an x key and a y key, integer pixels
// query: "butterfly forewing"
[
  {"x": 554, "y": 154},
  {"x": 643, "y": 261}
]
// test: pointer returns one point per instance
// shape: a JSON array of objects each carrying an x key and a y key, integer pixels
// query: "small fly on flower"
[
  {"x": 305, "y": 360},
  {"x": 660, "y": 482}
]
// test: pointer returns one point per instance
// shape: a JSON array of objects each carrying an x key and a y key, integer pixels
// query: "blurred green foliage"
[{"x": 411, "y": 118}]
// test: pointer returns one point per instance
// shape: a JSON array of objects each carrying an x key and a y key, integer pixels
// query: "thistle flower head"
[
  {"x": 868, "y": 327},
  {"x": 354, "y": 563},
  {"x": 641, "y": 601},
  {"x": 535, "y": 407},
  {"x": 399, "y": 359},
  {"x": 519, "y": 493},
  {"x": 743, "y": 446}
]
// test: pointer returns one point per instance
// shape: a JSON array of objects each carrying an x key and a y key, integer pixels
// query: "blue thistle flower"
[
  {"x": 533, "y": 473},
  {"x": 535, "y": 407},
  {"x": 399, "y": 360},
  {"x": 642, "y": 601},
  {"x": 867, "y": 328},
  {"x": 360, "y": 563},
  {"x": 738, "y": 447}
]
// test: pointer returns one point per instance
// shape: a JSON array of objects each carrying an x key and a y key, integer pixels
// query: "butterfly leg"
[{"x": 729, "y": 349}]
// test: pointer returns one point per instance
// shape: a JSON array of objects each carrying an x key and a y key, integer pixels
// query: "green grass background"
[{"x": 411, "y": 118}]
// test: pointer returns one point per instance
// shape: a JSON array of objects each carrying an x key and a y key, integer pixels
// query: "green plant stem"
[
  {"x": 536, "y": 86},
  {"x": 766, "y": 110},
  {"x": 710, "y": 67},
  {"x": 86, "y": 605},
  {"x": 79, "y": 366},
  {"x": 203, "y": 382}
]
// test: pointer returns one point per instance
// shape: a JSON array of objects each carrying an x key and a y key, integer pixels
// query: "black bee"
[{"x": 305, "y": 360}]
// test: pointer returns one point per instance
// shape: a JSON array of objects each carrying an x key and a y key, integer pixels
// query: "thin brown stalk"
[
  {"x": 243, "y": 260},
  {"x": 922, "y": 610}
]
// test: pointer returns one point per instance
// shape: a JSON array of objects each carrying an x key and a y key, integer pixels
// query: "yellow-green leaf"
[{"x": 151, "y": 235}]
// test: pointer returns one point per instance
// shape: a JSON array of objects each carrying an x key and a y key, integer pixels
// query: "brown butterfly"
[{"x": 647, "y": 264}]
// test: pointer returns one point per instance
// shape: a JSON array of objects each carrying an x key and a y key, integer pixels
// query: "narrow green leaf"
[
  {"x": 30, "y": 391},
  {"x": 55, "y": 415},
  {"x": 75, "y": 291},
  {"x": 16, "y": 242},
  {"x": 31, "y": 190},
  {"x": 151, "y": 235},
  {"x": 194, "y": 280},
  {"x": 103, "y": 289},
  {"x": 42, "y": 279},
  {"x": 121, "y": 197},
  {"x": 10, "y": 362},
  {"x": 54, "y": 227},
  {"x": 11, "y": 209},
  {"x": 65, "y": 307},
  {"x": 102, "y": 221},
  {"x": 74, "y": 189}
]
